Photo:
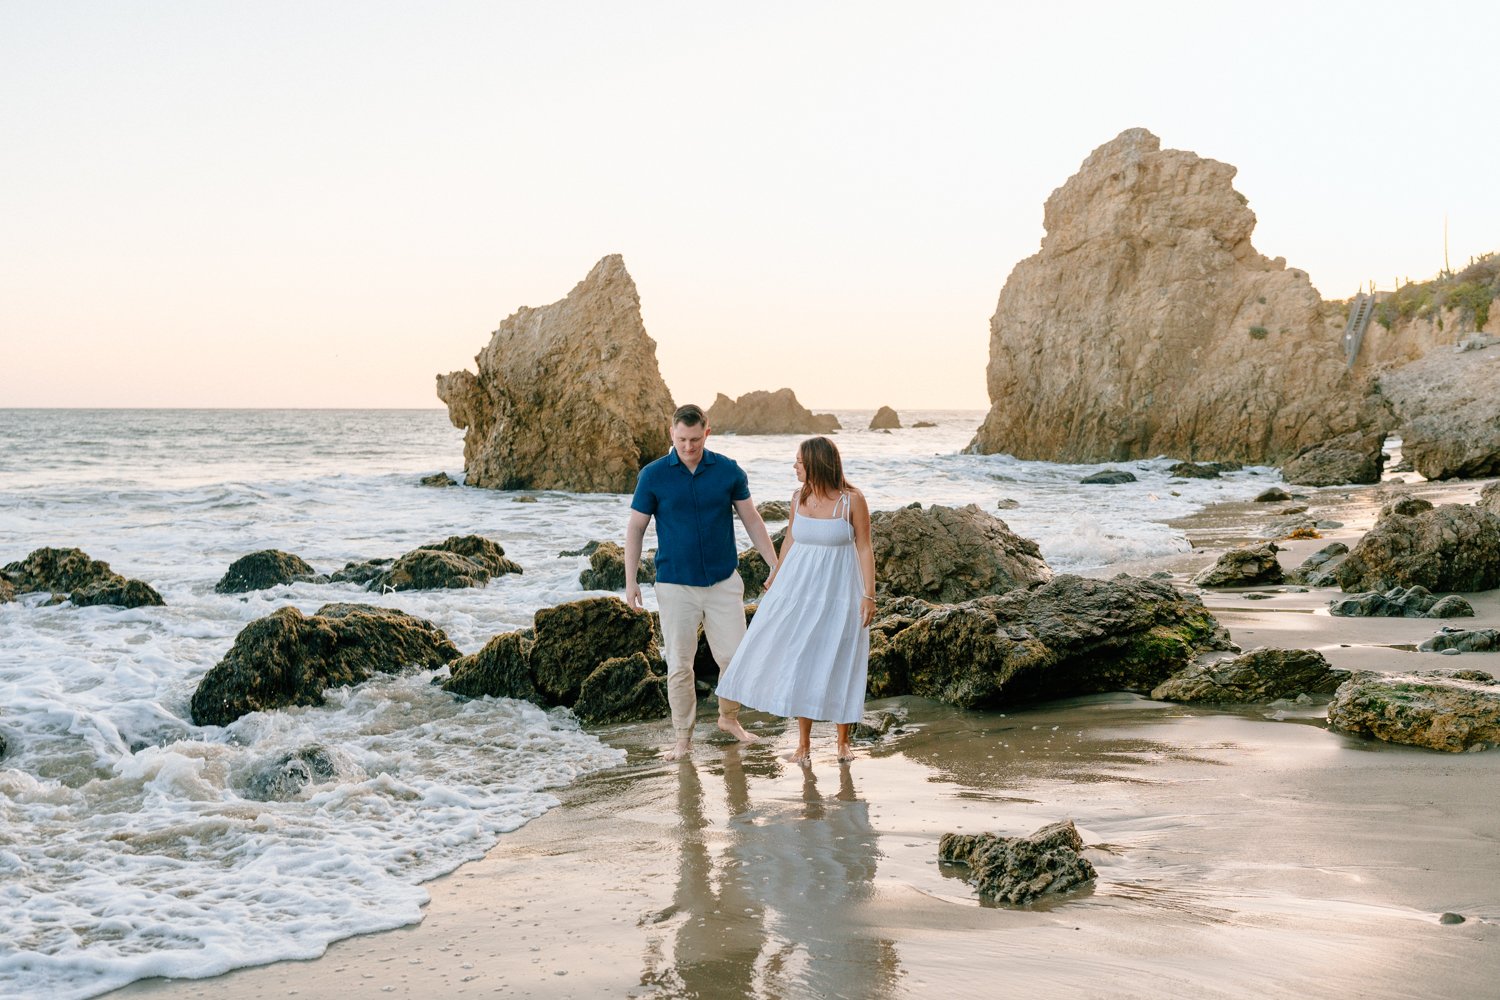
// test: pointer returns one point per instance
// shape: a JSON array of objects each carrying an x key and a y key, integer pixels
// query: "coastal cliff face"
[
  {"x": 568, "y": 396},
  {"x": 1148, "y": 324}
]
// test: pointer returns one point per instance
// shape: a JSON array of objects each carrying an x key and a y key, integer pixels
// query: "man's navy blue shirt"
[{"x": 694, "y": 516}]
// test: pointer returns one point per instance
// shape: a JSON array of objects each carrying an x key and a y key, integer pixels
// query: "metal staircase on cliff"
[{"x": 1361, "y": 310}]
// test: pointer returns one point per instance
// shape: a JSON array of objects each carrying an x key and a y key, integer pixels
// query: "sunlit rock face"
[{"x": 1148, "y": 324}]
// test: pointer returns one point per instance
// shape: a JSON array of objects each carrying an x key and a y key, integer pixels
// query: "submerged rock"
[
  {"x": 1259, "y": 675},
  {"x": 1192, "y": 470},
  {"x": 1454, "y": 547},
  {"x": 286, "y": 776},
  {"x": 1351, "y": 458},
  {"x": 287, "y": 658},
  {"x": 266, "y": 568},
  {"x": 1399, "y": 602},
  {"x": 767, "y": 413},
  {"x": 1069, "y": 636},
  {"x": 951, "y": 554},
  {"x": 84, "y": 581},
  {"x": 1441, "y": 711},
  {"x": 885, "y": 419},
  {"x": 361, "y": 573},
  {"x": 1017, "y": 870},
  {"x": 1243, "y": 568},
  {"x": 568, "y": 396},
  {"x": 1108, "y": 477},
  {"x": 440, "y": 479},
  {"x": 457, "y": 562}
]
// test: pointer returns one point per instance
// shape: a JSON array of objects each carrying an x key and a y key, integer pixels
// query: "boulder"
[
  {"x": 1454, "y": 547},
  {"x": 361, "y": 573},
  {"x": 1273, "y": 495},
  {"x": 1007, "y": 503},
  {"x": 1192, "y": 470},
  {"x": 83, "y": 580},
  {"x": 573, "y": 639},
  {"x": 923, "y": 424},
  {"x": 284, "y": 777},
  {"x": 287, "y": 658},
  {"x": 440, "y": 479},
  {"x": 457, "y": 562},
  {"x": 266, "y": 568},
  {"x": 7, "y": 591},
  {"x": 1489, "y": 498},
  {"x": 1108, "y": 477},
  {"x": 568, "y": 396},
  {"x": 1401, "y": 602},
  {"x": 1148, "y": 324},
  {"x": 1427, "y": 708},
  {"x": 1447, "y": 410},
  {"x": 951, "y": 554},
  {"x": 502, "y": 669},
  {"x": 875, "y": 724},
  {"x": 885, "y": 419},
  {"x": 767, "y": 413},
  {"x": 774, "y": 510},
  {"x": 623, "y": 689},
  {"x": 1351, "y": 458},
  {"x": 1251, "y": 567},
  {"x": 607, "y": 568},
  {"x": 1259, "y": 675},
  {"x": 1069, "y": 636},
  {"x": 1017, "y": 870},
  {"x": 1480, "y": 640},
  {"x": 1317, "y": 570}
]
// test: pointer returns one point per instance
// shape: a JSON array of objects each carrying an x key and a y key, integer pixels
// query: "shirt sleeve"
[
  {"x": 741, "y": 489},
  {"x": 644, "y": 499}
]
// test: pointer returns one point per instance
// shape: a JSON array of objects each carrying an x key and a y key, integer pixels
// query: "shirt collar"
[{"x": 707, "y": 459}]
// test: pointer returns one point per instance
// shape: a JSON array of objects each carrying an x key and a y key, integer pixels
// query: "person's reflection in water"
[{"x": 781, "y": 913}]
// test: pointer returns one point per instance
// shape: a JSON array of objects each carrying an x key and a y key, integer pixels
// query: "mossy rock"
[
  {"x": 624, "y": 689},
  {"x": 573, "y": 639},
  {"x": 502, "y": 669}
]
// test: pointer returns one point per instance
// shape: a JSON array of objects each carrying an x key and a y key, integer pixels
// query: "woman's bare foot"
[
  {"x": 733, "y": 728},
  {"x": 801, "y": 755},
  {"x": 846, "y": 753},
  {"x": 682, "y": 749}
]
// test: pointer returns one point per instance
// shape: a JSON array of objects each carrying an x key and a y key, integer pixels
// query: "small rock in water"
[
  {"x": 1108, "y": 477},
  {"x": 1006, "y": 503},
  {"x": 1451, "y": 918}
]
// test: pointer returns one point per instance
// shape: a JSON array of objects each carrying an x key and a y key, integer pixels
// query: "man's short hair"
[{"x": 689, "y": 415}]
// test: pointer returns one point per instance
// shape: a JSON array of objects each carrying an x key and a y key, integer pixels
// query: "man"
[{"x": 691, "y": 492}]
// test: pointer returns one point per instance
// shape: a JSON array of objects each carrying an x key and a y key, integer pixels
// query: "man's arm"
[
  {"x": 635, "y": 534},
  {"x": 755, "y": 528}
]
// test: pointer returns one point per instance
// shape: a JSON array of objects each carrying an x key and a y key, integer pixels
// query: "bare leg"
[
  {"x": 803, "y": 753},
  {"x": 845, "y": 752},
  {"x": 682, "y": 750},
  {"x": 731, "y": 724}
]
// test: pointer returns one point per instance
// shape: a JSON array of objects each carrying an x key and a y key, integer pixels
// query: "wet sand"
[{"x": 1243, "y": 852}]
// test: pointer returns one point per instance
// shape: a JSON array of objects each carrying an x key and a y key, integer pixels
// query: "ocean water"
[{"x": 134, "y": 843}]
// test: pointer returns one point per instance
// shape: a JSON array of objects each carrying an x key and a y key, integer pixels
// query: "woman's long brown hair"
[{"x": 822, "y": 468}]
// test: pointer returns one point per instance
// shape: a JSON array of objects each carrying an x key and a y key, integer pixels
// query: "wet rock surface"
[
  {"x": 607, "y": 567},
  {"x": 84, "y": 581},
  {"x": 1455, "y": 548},
  {"x": 454, "y": 563},
  {"x": 1259, "y": 675},
  {"x": 1017, "y": 870},
  {"x": 1317, "y": 570},
  {"x": 1273, "y": 495},
  {"x": 1108, "y": 477},
  {"x": 1249, "y": 567},
  {"x": 1401, "y": 602},
  {"x": 1441, "y": 711},
  {"x": 948, "y": 554},
  {"x": 1069, "y": 636},
  {"x": 1193, "y": 470},
  {"x": 439, "y": 479},
  {"x": 263, "y": 569},
  {"x": 288, "y": 658}
]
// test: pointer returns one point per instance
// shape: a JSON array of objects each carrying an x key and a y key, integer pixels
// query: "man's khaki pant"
[{"x": 720, "y": 609}]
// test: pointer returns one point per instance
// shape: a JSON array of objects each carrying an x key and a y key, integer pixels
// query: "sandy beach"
[{"x": 1241, "y": 852}]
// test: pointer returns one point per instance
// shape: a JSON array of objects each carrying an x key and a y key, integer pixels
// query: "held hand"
[
  {"x": 867, "y": 612},
  {"x": 633, "y": 596}
]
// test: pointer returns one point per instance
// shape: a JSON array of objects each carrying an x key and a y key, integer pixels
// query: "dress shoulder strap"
[{"x": 841, "y": 508}]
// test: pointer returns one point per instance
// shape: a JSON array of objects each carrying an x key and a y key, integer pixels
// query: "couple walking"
[{"x": 806, "y": 652}]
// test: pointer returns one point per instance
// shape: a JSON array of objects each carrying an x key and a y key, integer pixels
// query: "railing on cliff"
[{"x": 1361, "y": 310}]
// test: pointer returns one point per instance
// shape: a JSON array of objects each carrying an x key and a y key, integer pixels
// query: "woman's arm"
[
  {"x": 859, "y": 516},
  {"x": 786, "y": 546}
]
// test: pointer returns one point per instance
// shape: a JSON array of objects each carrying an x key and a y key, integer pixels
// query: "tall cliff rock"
[
  {"x": 568, "y": 396},
  {"x": 1148, "y": 324}
]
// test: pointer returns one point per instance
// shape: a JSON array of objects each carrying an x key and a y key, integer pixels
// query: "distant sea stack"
[
  {"x": 568, "y": 396},
  {"x": 1149, "y": 325},
  {"x": 767, "y": 413}
]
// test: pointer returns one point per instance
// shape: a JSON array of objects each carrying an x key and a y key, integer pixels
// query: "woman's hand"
[{"x": 866, "y": 611}]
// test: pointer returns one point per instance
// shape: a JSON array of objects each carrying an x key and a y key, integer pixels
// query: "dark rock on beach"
[
  {"x": 361, "y": 573},
  {"x": 774, "y": 510},
  {"x": 1259, "y": 675},
  {"x": 754, "y": 570},
  {"x": 1108, "y": 477},
  {"x": 1442, "y": 711},
  {"x": 1481, "y": 640},
  {"x": 287, "y": 658},
  {"x": 1352, "y": 458},
  {"x": 266, "y": 568},
  {"x": 573, "y": 639},
  {"x": 1273, "y": 495},
  {"x": 502, "y": 669},
  {"x": 1243, "y": 568},
  {"x": 1454, "y": 547},
  {"x": 623, "y": 689},
  {"x": 1317, "y": 570},
  {"x": 1401, "y": 602},
  {"x": 1069, "y": 636},
  {"x": 457, "y": 562},
  {"x": 1193, "y": 470},
  {"x": 607, "y": 568},
  {"x": 1017, "y": 870},
  {"x": 83, "y": 580},
  {"x": 951, "y": 554}
]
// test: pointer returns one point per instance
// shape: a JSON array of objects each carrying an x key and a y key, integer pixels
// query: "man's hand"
[{"x": 633, "y": 596}]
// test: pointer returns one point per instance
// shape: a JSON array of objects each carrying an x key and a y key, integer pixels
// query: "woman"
[{"x": 808, "y": 647}]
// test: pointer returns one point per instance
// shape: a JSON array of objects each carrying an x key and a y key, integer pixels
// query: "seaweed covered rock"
[
  {"x": 85, "y": 581},
  {"x": 1069, "y": 636},
  {"x": 7, "y": 591},
  {"x": 623, "y": 689},
  {"x": 1259, "y": 675},
  {"x": 454, "y": 563},
  {"x": 951, "y": 554},
  {"x": 1017, "y": 870},
  {"x": 439, "y": 479},
  {"x": 361, "y": 573},
  {"x": 607, "y": 568},
  {"x": 573, "y": 639},
  {"x": 774, "y": 510},
  {"x": 1251, "y": 567},
  {"x": 753, "y": 568},
  {"x": 288, "y": 658},
  {"x": 1442, "y": 711},
  {"x": 502, "y": 669},
  {"x": 1401, "y": 602},
  {"x": 1351, "y": 458},
  {"x": 1108, "y": 477},
  {"x": 1194, "y": 470},
  {"x": 1454, "y": 547},
  {"x": 266, "y": 568}
]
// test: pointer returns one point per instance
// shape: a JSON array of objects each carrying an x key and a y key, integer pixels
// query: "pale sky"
[{"x": 271, "y": 204}]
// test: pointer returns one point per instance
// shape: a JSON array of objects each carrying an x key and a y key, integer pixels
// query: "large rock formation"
[
  {"x": 885, "y": 419},
  {"x": 287, "y": 658},
  {"x": 1455, "y": 547},
  {"x": 568, "y": 396},
  {"x": 72, "y": 574},
  {"x": 767, "y": 413},
  {"x": 1148, "y": 324},
  {"x": 1452, "y": 712},
  {"x": 951, "y": 554},
  {"x": 1447, "y": 409}
]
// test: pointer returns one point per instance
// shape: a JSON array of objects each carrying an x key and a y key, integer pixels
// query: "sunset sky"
[{"x": 325, "y": 204}]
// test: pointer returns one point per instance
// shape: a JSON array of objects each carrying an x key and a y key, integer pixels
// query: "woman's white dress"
[{"x": 806, "y": 652}]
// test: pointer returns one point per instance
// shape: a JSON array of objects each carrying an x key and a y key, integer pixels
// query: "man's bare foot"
[
  {"x": 733, "y": 728},
  {"x": 681, "y": 750},
  {"x": 846, "y": 753},
  {"x": 801, "y": 755}
]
